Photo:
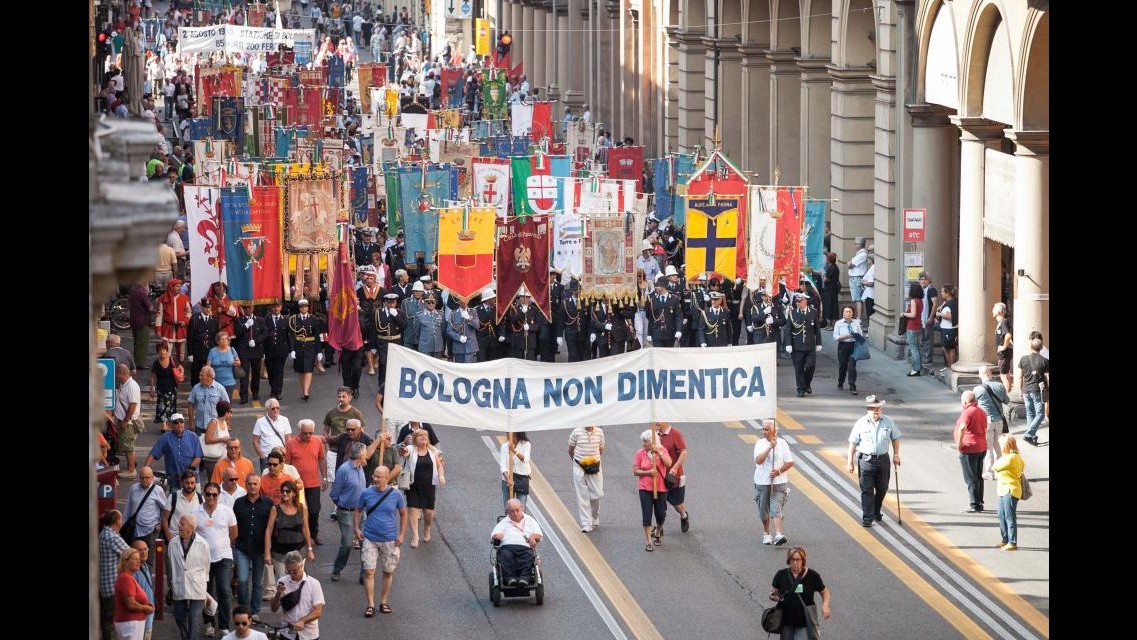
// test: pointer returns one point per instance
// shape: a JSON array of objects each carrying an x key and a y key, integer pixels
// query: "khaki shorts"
[
  {"x": 385, "y": 554},
  {"x": 128, "y": 434}
]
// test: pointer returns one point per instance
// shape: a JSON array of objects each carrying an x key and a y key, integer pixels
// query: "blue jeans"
[
  {"x": 914, "y": 348},
  {"x": 347, "y": 535},
  {"x": 1034, "y": 412},
  {"x": 256, "y": 566},
  {"x": 1008, "y": 519},
  {"x": 220, "y": 581},
  {"x": 187, "y": 615},
  {"x": 523, "y": 497}
]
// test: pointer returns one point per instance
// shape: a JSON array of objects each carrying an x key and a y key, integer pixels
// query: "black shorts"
[
  {"x": 1003, "y": 364},
  {"x": 947, "y": 338},
  {"x": 675, "y": 496}
]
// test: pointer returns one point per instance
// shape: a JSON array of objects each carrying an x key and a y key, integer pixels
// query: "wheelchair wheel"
[
  {"x": 495, "y": 595},
  {"x": 539, "y": 596}
]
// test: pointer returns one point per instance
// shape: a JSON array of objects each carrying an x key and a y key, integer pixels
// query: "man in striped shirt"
[{"x": 587, "y": 444}]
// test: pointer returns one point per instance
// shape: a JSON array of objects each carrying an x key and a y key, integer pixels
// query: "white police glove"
[
  {"x": 769, "y": 320},
  {"x": 703, "y": 345},
  {"x": 394, "y": 312},
  {"x": 525, "y": 326},
  {"x": 560, "y": 341},
  {"x": 678, "y": 334},
  {"x": 462, "y": 339},
  {"x": 291, "y": 355},
  {"x": 374, "y": 352},
  {"x": 607, "y": 326},
  {"x": 465, "y": 315},
  {"x": 189, "y": 358},
  {"x": 789, "y": 349},
  {"x": 249, "y": 323},
  {"x": 592, "y": 337},
  {"x": 319, "y": 357},
  {"x": 252, "y": 343},
  {"x": 818, "y": 348},
  {"x": 501, "y": 338},
  {"x": 648, "y": 337}
]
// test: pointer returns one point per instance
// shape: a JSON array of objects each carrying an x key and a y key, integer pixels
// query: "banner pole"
[
  {"x": 654, "y": 467},
  {"x": 512, "y": 442}
]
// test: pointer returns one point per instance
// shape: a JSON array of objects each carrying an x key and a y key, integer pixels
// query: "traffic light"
[
  {"x": 503, "y": 43},
  {"x": 103, "y": 44}
]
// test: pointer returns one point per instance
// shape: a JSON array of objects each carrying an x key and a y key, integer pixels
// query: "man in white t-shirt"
[
  {"x": 772, "y": 459},
  {"x": 304, "y": 617},
  {"x": 218, "y": 525},
  {"x": 519, "y": 534},
  {"x": 127, "y": 415},
  {"x": 587, "y": 444},
  {"x": 231, "y": 490},
  {"x": 357, "y": 29},
  {"x": 858, "y": 265},
  {"x": 272, "y": 430}
]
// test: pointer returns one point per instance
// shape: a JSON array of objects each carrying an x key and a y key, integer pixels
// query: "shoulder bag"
[
  {"x": 1027, "y": 493},
  {"x": 211, "y": 451},
  {"x": 127, "y": 530},
  {"x": 179, "y": 373},
  {"x": 902, "y": 324},
  {"x": 403, "y": 482},
  {"x": 289, "y": 601},
  {"x": 860, "y": 347},
  {"x": 376, "y": 505},
  {"x": 999, "y": 407},
  {"x": 772, "y": 619}
]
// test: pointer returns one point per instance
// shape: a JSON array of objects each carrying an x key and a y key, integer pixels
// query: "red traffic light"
[
  {"x": 103, "y": 37},
  {"x": 506, "y": 39}
]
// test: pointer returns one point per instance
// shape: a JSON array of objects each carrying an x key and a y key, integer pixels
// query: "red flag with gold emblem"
[
  {"x": 343, "y": 313},
  {"x": 523, "y": 261},
  {"x": 465, "y": 250}
]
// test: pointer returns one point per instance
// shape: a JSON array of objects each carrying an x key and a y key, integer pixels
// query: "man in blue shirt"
[
  {"x": 180, "y": 449},
  {"x": 869, "y": 440},
  {"x": 346, "y": 489},
  {"x": 382, "y": 538},
  {"x": 144, "y": 503}
]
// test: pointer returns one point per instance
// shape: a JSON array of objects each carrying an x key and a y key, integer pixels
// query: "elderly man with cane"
[{"x": 869, "y": 440}]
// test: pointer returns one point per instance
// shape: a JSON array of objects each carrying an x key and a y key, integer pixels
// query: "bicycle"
[{"x": 274, "y": 632}]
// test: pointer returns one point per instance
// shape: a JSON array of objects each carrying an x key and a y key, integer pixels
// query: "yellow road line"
[
  {"x": 914, "y": 581},
  {"x": 256, "y": 404},
  {"x": 733, "y": 424},
  {"x": 959, "y": 558},
  {"x": 804, "y": 439},
  {"x": 618, "y": 595},
  {"x": 748, "y": 438},
  {"x": 787, "y": 422}
]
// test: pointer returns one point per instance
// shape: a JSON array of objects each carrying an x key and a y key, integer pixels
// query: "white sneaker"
[
  {"x": 779, "y": 540},
  {"x": 766, "y": 539}
]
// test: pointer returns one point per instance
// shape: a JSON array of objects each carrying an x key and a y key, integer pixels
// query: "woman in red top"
[
  {"x": 130, "y": 603},
  {"x": 223, "y": 308},
  {"x": 915, "y": 326},
  {"x": 173, "y": 316},
  {"x": 650, "y": 466}
]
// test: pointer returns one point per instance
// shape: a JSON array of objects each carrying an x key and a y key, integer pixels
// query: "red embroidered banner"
[{"x": 523, "y": 260}]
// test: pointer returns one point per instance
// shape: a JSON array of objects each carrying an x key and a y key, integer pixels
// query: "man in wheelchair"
[{"x": 518, "y": 535}]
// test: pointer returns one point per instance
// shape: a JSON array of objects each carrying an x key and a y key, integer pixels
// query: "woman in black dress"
[
  {"x": 831, "y": 285},
  {"x": 793, "y": 590},
  {"x": 429, "y": 469},
  {"x": 163, "y": 385}
]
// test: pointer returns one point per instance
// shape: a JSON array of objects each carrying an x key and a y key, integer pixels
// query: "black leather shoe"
[
  {"x": 809, "y": 390},
  {"x": 853, "y": 389},
  {"x": 244, "y": 400},
  {"x": 801, "y": 394},
  {"x": 305, "y": 397},
  {"x": 840, "y": 385},
  {"x": 867, "y": 525}
]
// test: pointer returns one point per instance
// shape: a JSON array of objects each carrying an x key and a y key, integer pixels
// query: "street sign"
[
  {"x": 914, "y": 225},
  {"x": 913, "y": 258},
  {"x": 458, "y": 9},
  {"x": 106, "y": 371},
  {"x": 482, "y": 36}
]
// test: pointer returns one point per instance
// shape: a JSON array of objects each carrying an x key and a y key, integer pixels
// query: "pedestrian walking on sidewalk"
[
  {"x": 869, "y": 441},
  {"x": 971, "y": 441},
  {"x": 793, "y": 589}
]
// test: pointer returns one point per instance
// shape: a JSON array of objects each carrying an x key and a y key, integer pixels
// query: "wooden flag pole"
[
  {"x": 654, "y": 467},
  {"x": 512, "y": 442}
]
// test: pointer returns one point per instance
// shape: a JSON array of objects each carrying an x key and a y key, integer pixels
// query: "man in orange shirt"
[
  {"x": 306, "y": 453},
  {"x": 234, "y": 458},
  {"x": 275, "y": 475}
]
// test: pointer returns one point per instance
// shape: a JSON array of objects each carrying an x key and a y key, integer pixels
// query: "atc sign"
[{"x": 914, "y": 225}]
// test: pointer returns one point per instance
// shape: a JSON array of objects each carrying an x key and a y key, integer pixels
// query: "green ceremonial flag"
[
  {"x": 494, "y": 98},
  {"x": 391, "y": 179}
]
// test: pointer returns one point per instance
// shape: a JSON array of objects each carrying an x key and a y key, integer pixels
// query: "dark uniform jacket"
[{"x": 802, "y": 329}]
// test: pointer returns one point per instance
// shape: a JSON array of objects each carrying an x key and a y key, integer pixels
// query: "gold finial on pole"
[
  {"x": 717, "y": 139},
  {"x": 777, "y": 175}
]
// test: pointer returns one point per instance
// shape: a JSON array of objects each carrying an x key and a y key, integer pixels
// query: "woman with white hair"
[{"x": 650, "y": 466}]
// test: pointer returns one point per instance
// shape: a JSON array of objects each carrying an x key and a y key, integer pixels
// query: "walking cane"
[{"x": 896, "y": 476}]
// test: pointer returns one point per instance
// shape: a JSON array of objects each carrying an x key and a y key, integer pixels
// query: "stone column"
[
  {"x": 755, "y": 127},
  {"x": 541, "y": 51},
  {"x": 731, "y": 114},
  {"x": 605, "y": 68},
  {"x": 711, "y": 90},
  {"x": 588, "y": 55},
  {"x": 1032, "y": 238},
  {"x": 852, "y": 128},
  {"x": 571, "y": 63},
  {"x": 671, "y": 93},
  {"x": 552, "y": 56},
  {"x": 501, "y": 23},
  {"x": 976, "y": 297},
  {"x": 516, "y": 25},
  {"x": 612, "y": 67},
  {"x": 785, "y": 120},
  {"x": 934, "y": 161},
  {"x": 691, "y": 88},
  {"x": 528, "y": 40},
  {"x": 565, "y": 63},
  {"x": 815, "y": 142}
]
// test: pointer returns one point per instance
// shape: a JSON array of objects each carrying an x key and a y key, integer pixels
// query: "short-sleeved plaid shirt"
[{"x": 111, "y": 545}]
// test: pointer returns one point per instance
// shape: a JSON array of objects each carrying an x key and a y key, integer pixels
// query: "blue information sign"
[{"x": 106, "y": 368}]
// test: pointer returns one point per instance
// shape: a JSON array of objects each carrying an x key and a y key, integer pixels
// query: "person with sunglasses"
[
  {"x": 181, "y": 451},
  {"x": 217, "y": 524},
  {"x": 793, "y": 588},
  {"x": 243, "y": 626},
  {"x": 234, "y": 460},
  {"x": 302, "y": 598},
  {"x": 287, "y": 529},
  {"x": 231, "y": 491}
]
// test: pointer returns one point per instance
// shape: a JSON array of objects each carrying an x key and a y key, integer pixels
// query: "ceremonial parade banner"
[
  {"x": 239, "y": 39},
  {"x": 523, "y": 259},
  {"x": 718, "y": 178},
  {"x": 491, "y": 183},
  {"x": 609, "y": 259},
  {"x": 252, "y": 243},
  {"x": 671, "y": 176},
  {"x": 627, "y": 163},
  {"x": 538, "y": 183},
  {"x": 466, "y": 250},
  {"x": 494, "y": 97},
  {"x": 212, "y": 81},
  {"x": 422, "y": 191},
  {"x": 369, "y": 76},
  {"x": 452, "y": 88},
  {"x": 813, "y": 234},
  {"x": 639, "y": 387},
  {"x": 343, "y": 305},
  {"x": 787, "y": 249},
  {"x": 311, "y": 208},
  {"x": 203, "y": 219},
  {"x": 534, "y": 120},
  {"x": 763, "y": 239},
  {"x": 580, "y": 140},
  {"x": 358, "y": 198},
  {"x": 568, "y": 256},
  {"x": 712, "y": 235},
  {"x": 228, "y": 115}
]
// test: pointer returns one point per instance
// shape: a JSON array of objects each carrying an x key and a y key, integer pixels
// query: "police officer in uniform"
[
  {"x": 695, "y": 300},
  {"x": 868, "y": 443},
  {"x": 663, "y": 315},
  {"x": 390, "y": 324},
  {"x": 368, "y": 295},
  {"x": 603, "y": 324},
  {"x": 802, "y": 336},
  {"x": 364, "y": 248},
  {"x": 429, "y": 322},
  {"x": 713, "y": 324},
  {"x": 732, "y": 289},
  {"x": 252, "y": 332},
  {"x": 524, "y": 322},
  {"x": 547, "y": 340},
  {"x": 462, "y": 328},
  {"x": 304, "y": 331},
  {"x": 276, "y": 349},
  {"x": 202, "y": 336},
  {"x": 574, "y": 325},
  {"x": 411, "y": 307},
  {"x": 488, "y": 332},
  {"x": 764, "y": 318}
]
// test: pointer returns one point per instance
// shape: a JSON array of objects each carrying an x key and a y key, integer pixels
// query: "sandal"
[
  {"x": 384, "y": 607},
  {"x": 369, "y": 612},
  {"x": 414, "y": 545},
  {"x": 648, "y": 547},
  {"x": 426, "y": 536}
]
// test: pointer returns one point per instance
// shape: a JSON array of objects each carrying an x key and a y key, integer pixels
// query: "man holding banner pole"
[{"x": 523, "y": 321}]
